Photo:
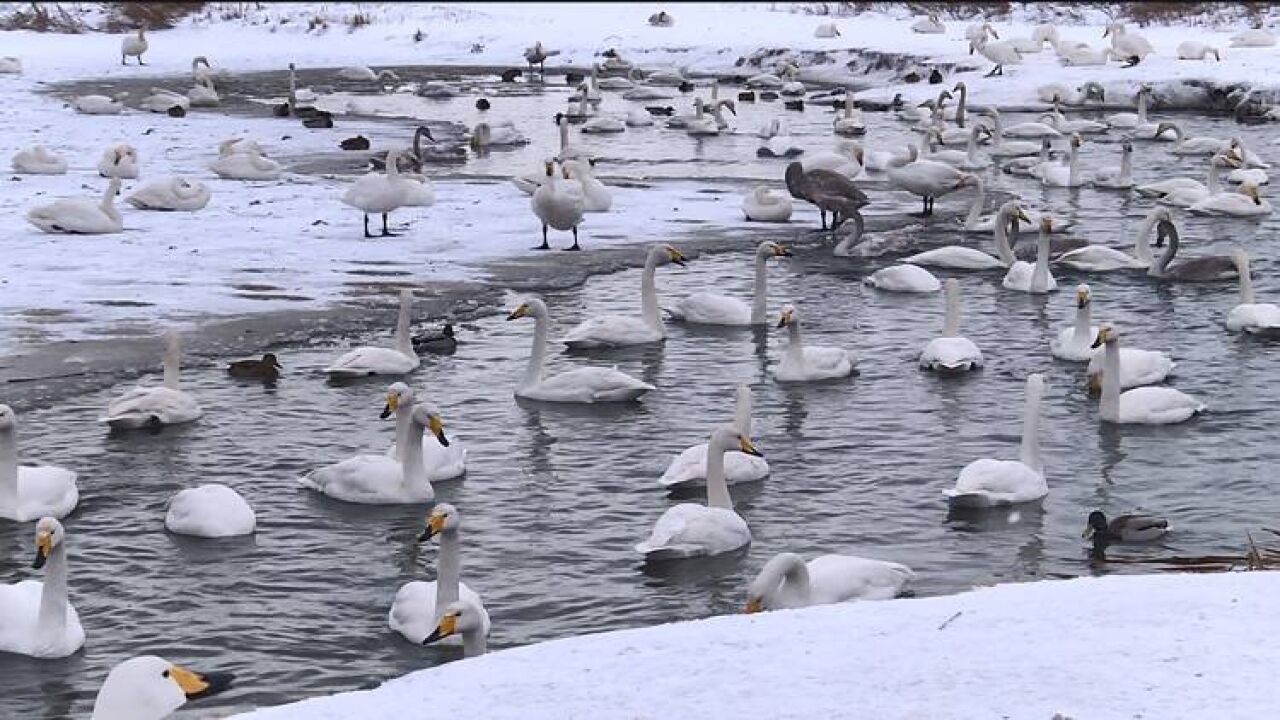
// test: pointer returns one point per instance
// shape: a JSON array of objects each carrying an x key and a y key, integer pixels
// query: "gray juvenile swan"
[{"x": 1206, "y": 268}]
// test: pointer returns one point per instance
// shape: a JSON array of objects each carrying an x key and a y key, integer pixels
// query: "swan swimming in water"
[
  {"x": 1142, "y": 405},
  {"x": 1075, "y": 343},
  {"x": 580, "y": 385},
  {"x": 151, "y": 688},
  {"x": 708, "y": 308},
  {"x": 420, "y": 605},
  {"x": 1053, "y": 174},
  {"x": 210, "y": 511},
  {"x": 1036, "y": 278},
  {"x": 1206, "y": 268},
  {"x": 1100, "y": 258},
  {"x": 1117, "y": 178},
  {"x": 1251, "y": 316},
  {"x": 787, "y": 581},
  {"x": 155, "y": 406},
  {"x": 37, "y": 160},
  {"x": 959, "y": 257},
  {"x": 373, "y": 360},
  {"x": 951, "y": 353},
  {"x": 988, "y": 482},
  {"x": 612, "y": 331},
  {"x": 806, "y": 363},
  {"x": 29, "y": 492},
  {"x": 1245, "y": 203},
  {"x": 689, "y": 468},
  {"x": 80, "y": 215},
  {"x": 170, "y": 193},
  {"x": 903, "y": 278},
  {"x": 39, "y": 620}
]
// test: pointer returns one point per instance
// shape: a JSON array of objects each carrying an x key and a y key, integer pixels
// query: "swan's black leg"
[
  {"x": 366, "y": 226},
  {"x": 544, "y": 245},
  {"x": 385, "y": 231},
  {"x": 575, "y": 239},
  {"x": 124, "y": 60},
  {"x": 837, "y": 220},
  {"x": 140, "y": 60},
  {"x": 823, "y": 215}
]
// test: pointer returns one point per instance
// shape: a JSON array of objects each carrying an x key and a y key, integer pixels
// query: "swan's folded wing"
[
  {"x": 363, "y": 478},
  {"x": 49, "y": 489},
  {"x": 609, "y": 330},
  {"x": 712, "y": 309},
  {"x": 74, "y": 215},
  {"x": 591, "y": 384},
  {"x": 413, "y": 612},
  {"x": 373, "y": 361},
  {"x": 688, "y": 530},
  {"x": 956, "y": 353},
  {"x": 995, "y": 482},
  {"x": 689, "y": 466},
  {"x": 829, "y": 360},
  {"x": 1157, "y": 406},
  {"x": 838, "y": 578}
]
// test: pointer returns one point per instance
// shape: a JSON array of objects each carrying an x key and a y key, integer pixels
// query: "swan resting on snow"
[
  {"x": 170, "y": 193},
  {"x": 80, "y": 216}
]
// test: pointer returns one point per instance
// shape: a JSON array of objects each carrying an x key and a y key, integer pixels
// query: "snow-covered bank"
[{"x": 1167, "y": 646}]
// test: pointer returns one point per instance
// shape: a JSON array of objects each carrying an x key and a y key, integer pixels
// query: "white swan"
[
  {"x": 1128, "y": 45},
  {"x": 80, "y": 215},
  {"x": 1185, "y": 192},
  {"x": 37, "y": 160},
  {"x": 1136, "y": 122},
  {"x": 1257, "y": 176},
  {"x": 1055, "y": 93},
  {"x": 420, "y": 605},
  {"x": 366, "y": 74},
  {"x": 967, "y": 159},
  {"x": 100, "y": 104},
  {"x": 846, "y": 159},
  {"x": 604, "y": 126},
  {"x": 485, "y": 135},
  {"x": 133, "y": 46},
  {"x": 1251, "y": 316},
  {"x": 1184, "y": 145},
  {"x": 151, "y": 688},
  {"x": 976, "y": 222},
  {"x": 988, "y": 483},
  {"x": 1100, "y": 258},
  {"x": 38, "y": 619},
  {"x": 203, "y": 94},
  {"x": 558, "y": 205},
  {"x": 1054, "y": 174},
  {"x": 29, "y": 492},
  {"x": 787, "y": 581},
  {"x": 595, "y": 195},
  {"x": 930, "y": 180},
  {"x": 929, "y": 25},
  {"x": 201, "y": 70},
  {"x": 1059, "y": 122},
  {"x": 210, "y": 511},
  {"x": 1258, "y": 37},
  {"x": 903, "y": 278},
  {"x": 605, "y": 331},
  {"x": 1142, "y": 405},
  {"x": 639, "y": 118},
  {"x": 381, "y": 193},
  {"x": 170, "y": 193},
  {"x": 764, "y": 204},
  {"x": 162, "y": 101},
  {"x": 463, "y": 618},
  {"x": 959, "y": 257},
  {"x": 1081, "y": 55},
  {"x": 1029, "y": 278},
  {"x": 580, "y": 385},
  {"x": 804, "y": 363},
  {"x": 442, "y": 462},
  {"x": 1075, "y": 343},
  {"x": 951, "y": 353},
  {"x": 1027, "y": 165},
  {"x": 826, "y": 31},
  {"x": 10, "y": 65},
  {"x": 689, "y": 468},
  {"x": 1117, "y": 178},
  {"x": 850, "y": 122},
  {"x": 1193, "y": 50},
  {"x": 371, "y": 479},
  {"x": 154, "y": 406},
  {"x": 708, "y": 308},
  {"x": 1030, "y": 130},
  {"x": 120, "y": 161},
  {"x": 372, "y": 360},
  {"x": 247, "y": 164},
  {"x": 691, "y": 530},
  {"x": 1015, "y": 148},
  {"x": 1245, "y": 203}
]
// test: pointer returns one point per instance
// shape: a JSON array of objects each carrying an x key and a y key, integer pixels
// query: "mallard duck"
[
  {"x": 1124, "y": 529},
  {"x": 268, "y": 368},
  {"x": 441, "y": 342},
  {"x": 358, "y": 142},
  {"x": 320, "y": 121}
]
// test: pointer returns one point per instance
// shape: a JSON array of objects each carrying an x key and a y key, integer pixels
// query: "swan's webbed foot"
[
  {"x": 386, "y": 232},
  {"x": 367, "y": 234},
  {"x": 1133, "y": 60},
  {"x": 543, "y": 246},
  {"x": 575, "y": 240}
]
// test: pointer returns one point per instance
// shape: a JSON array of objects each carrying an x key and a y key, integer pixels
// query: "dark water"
[{"x": 556, "y": 497}]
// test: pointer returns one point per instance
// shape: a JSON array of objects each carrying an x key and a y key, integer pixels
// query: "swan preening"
[
  {"x": 373, "y": 360},
  {"x": 419, "y": 606},
  {"x": 37, "y": 160},
  {"x": 805, "y": 363},
  {"x": 170, "y": 193},
  {"x": 1148, "y": 405},
  {"x": 80, "y": 215},
  {"x": 689, "y": 468},
  {"x": 787, "y": 581},
  {"x": 1034, "y": 278},
  {"x": 986, "y": 482},
  {"x": 713, "y": 309},
  {"x": 951, "y": 353},
  {"x": 155, "y": 406},
  {"x": 38, "y": 619},
  {"x": 29, "y": 492},
  {"x": 959, "y": 257},
  {"x": 692, "y": 530},
  {"x": 210, "y": 511},
  {"x": 609, "y": 331},
  {"x": 241, "y": 160},
  {"x": 120, "y": 161},
  {"x": 581, "y": 385},
  {"x": 151, "y": 688}
]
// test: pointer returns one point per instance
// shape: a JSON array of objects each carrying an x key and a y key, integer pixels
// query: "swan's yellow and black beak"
[
  {"x": 746, "y": 446},
  {"x": 675, "y": 256},
  {"x": 785, "y": 319},
  {"x": 1104, "y": 334},
  {"x": 1082, "y": 298},
  {"x": 448, "y": 626},
  {"x": 1046, "y": 224},
  {"x": 780, "y": 251},
  {"x": 522, "y": 311},
  {"x": 436, "y": 425},
  {"x": 195, "y": 685},
  {"x": 1022, "y": 215},
  {"x": 1252, "y": 191},
  {"x": 44, "y": 546},
  {"x": 393, "y": 404},
  {"x": 435, "y": 525},
  {"x": 754, "y": 605}
]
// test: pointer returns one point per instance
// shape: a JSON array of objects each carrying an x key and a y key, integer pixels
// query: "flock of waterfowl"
[{"x": 40, "y": 620}]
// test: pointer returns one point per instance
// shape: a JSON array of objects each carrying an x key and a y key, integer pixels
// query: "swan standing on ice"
[
  {"x": 1142, "y": 405},
  {"x": 29, "y": 492},
  {"x": 133, "y": 46},
  {"x": 1000, "y": 53},
  {"x": 210, "y": 511},
  {"x": 1128, "y": 45},
  {"x": 805, "y": 363},
  {"x": 156, "y": 406},
  {"x": 787, "y": 581},
  {"x": 38, "y": 619},
  {"x": 151, "y": 688},
  {"x": 710, "y": 308},
  {"x": 580, "y": 385},
  {"x": 120, "y": 161},
  {"x": 80, "y": 215},
  {"x": 1251, "y": 316},
  {"x": 611, "y": 331},
  {"x": 689, "y": 468},
  {"x": 373, "y": 360},
  {"x": 420, "y": 605},
  {"x": 37, "y": 160},
  {"x": 558, "y": 205},
  {"x": 170, "y": 193},
  {"x": 988, "y": 483},
  {"x": 930, "y": 180},
  {"x": 829, "y": 191},
  {"x": 951, "y": 353},
  {"x": 380, "y": 193},
  {"x": 767, "y": 205},
  {"x": 692, "y": 530},
  {"x": 1029, "y": 278}
]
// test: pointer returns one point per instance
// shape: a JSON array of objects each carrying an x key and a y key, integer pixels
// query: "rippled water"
[{"x": 556, "y": 497}]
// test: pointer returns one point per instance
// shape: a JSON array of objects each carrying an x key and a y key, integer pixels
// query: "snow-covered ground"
[{"x": 1172, "y": 646}]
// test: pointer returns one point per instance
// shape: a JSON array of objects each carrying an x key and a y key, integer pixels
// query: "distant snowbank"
[{"x": 1158, "y": 646}]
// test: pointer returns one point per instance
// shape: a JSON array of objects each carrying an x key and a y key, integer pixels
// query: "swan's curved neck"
[
  {"x": 414, "y": 471},
  {"x": 997, "y": 129},
  {"x": 1084, "y": 319},
  {"x": 760, "y": 291},
  {"x": 447, "y": 571},
  {"x": 8, "y": 468},
  {"x": 1030, "y": 455},
  {"x": 1111, "y": 382},
  {"x": 742, "y": 410},
  {"x": 1171, "y": 236},
  {"x": 51, "y": 623},
  {"x": 975, "y": 208},
  {"x": 1246, "y": 282},
  {"x": 538, "y": 354},
  {"x": 404, "y": 418},
  {"x": 845, "y": 246},
  {"x": 109, "y": 196},
  {"x": 964, "y": 97},
  {"x": 293, "y": 88},
  {"x": 951, "y": 323},
  {"x": 1001, "y": 231},
  {"x": 789, "y": 579},
  {"x": 404, "y": 342},
  {"x": 717, "y": 487},
  {"x": 649, "y": 293},
  {"x": 1040, "y": 274}
]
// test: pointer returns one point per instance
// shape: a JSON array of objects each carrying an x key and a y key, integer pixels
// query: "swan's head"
[
  {"x": 788, "y": 317},
  {"x": 727, "y": 437},
  {"x": 1093, "y": 91},
  {"x": 460, "y": 617},
  {"x": 1164, "y": 127},
  {"x": 770, "y": 577},
  {"x": 1076, "y": 140},
  {"x": 8, "y": 420},
  {"x": 1251, "y": 190},
  {"x": 1083, "y": 296},
  {"x": 533, "y": 307},
  {"x": 768, "y": 248},
  {"x": 1097, "y": 524},
  {"x": 1046, "y": 224},
  {"x": 1126, "y": 147},
  {"x": 960, "y": 86},
  {"x": 1106, "y": 334},
  {"x": 49, "y": 535},
  {"x": 968, "y": 180},
  {"x": 398, "y": 394},
  {"x": 443, "y": 517},
  {"x": 668, "y": 254},
  {"x": 151, "y": 688}
]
